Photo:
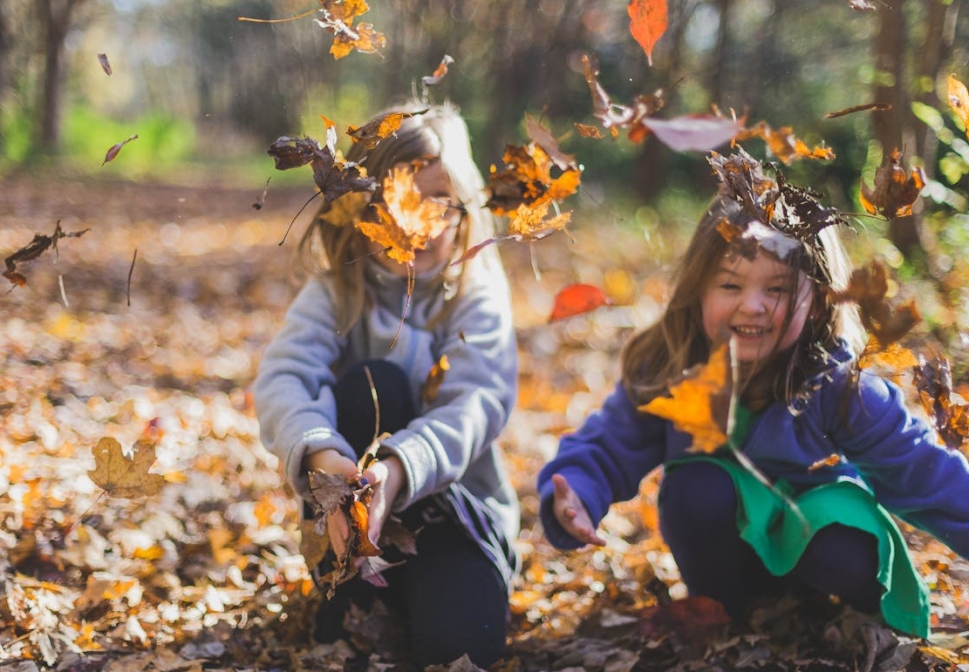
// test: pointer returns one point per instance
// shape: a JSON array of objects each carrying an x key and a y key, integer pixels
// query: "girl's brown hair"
[
  {"x": 433, "y": 133},
  {"x": 661, "y": 353}
]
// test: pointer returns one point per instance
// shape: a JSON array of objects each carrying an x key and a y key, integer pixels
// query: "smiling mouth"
[{"x": 750, "y": 332}]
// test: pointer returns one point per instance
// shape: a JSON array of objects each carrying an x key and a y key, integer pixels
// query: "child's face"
[
  {"x": 433, "y": 182},
  {"x": 749, "y": 301}
]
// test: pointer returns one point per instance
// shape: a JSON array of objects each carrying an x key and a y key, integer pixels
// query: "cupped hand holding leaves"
[{"x": 571, "y": 513}]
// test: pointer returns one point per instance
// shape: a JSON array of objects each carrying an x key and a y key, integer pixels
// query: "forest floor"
[{"x": 150, "y": 326}]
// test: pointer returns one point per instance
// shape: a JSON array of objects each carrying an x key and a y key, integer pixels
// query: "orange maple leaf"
[
  {"x": 701, "y": 402},
  {"x": 406, "y": 220},
  {"x": 647, "y": 23}
]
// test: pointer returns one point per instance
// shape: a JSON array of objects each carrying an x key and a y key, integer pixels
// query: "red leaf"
[
  {"x": 576, "y": 300},
  {"x": 647, "y": 23}
]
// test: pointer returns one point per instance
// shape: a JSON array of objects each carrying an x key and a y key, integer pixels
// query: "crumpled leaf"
[
  {"x": 577, "y": 299},
  {"x": 933, "y": 380},
  {"x": 332, "y": 174},
  {"x": 868, "y": 287},
  {"x": 894, "y": 192},
  {"x": 122, "y": 476},
  {"x": 793, "y": 211},
  {"x": 783, "y": 144},
  {"x": 647, "y": 23},
  {"x": 527, "y": 178},
  {"x": 406, "y": 221},
  {"x": 614, "y": 116},
  {"x": 338, "y": 17},
  {"x": 37, "y": 246},
  {"x": 105, "y": 64},
  {"x": 700, "y": 402},
  {"x": 439, "y": 73}
]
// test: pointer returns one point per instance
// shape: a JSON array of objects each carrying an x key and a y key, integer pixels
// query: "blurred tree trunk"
[
  {"x": 5, "y": 47},
  {"x": 897, "y": 54},
  {"x": 55, "y": 21}
]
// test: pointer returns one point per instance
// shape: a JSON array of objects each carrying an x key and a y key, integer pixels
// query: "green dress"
[{"x": 769, "y": 523}]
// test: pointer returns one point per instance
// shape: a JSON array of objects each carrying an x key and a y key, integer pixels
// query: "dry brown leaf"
[
  {"x": 122, "y": 476},
  {"x": 894, "y": 192}
]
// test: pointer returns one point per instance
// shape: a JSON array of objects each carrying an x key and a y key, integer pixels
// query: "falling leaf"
[
  {"x": 959, "y": 101},
  {"x": 868, "y": 287},
  {"x": 576, "y": 300},
  {"x": 832, "y": 460},
  {"x": 894, "y": 192},
  {"x": 858, "y": 108},
  {"x": 122, "y": 476},
  {"x": 862, "y": 5},
  {"x": 543, "y": 138},
  {"x": 262, "y": 199},
  {"x": 527, "y": 224},
  {"x": 527, "y": 178},
  {"x": 334, "y": 176},
  {"x": 406, "y": 220},
  {"x": 647, "y": 23},
  {"x": 614, "y": 116},
  {"x": 439, "y": 73},
  {"x": 371, "y": 133},
  {"x": 115, "y": 149},
  {"x": 588, "y": 131},
  {"x": 338, "y": 17},
  {"x": 37, "y": 246},
  {"x": 434, "y": 379},
  {"x": 700, "y": 132},
  {"x": 783, "y": 144},
  {"x": 700, "y": 403},
  {"x": 892, "y": 356},
  {"x": 105, "y": 65},
  {"x": 933, "y": 380}
]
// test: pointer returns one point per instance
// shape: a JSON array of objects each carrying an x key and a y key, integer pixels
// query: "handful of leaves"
[{"x": 349, "y": 498}]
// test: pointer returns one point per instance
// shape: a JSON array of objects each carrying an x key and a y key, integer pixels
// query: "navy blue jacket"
[{"x": 884, "y": 448}]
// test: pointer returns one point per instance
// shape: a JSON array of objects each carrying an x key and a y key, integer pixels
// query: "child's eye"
[
  {"x": 729, "y": 286},
  {"x": 777, "y": 289}
]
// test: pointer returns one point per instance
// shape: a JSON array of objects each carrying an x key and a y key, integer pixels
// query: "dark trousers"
[
  {"x": 697, "y": 512},
  {"x": 451, "y": 598}
]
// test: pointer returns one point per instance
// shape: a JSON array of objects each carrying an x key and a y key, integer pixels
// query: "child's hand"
[
  {"x": 331, "y": 461},
  {"x": 388, "y": 476},
  {"x": 571, "y": 513}
]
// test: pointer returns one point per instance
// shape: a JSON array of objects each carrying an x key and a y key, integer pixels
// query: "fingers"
[
  {"x": 571, "y": 513},
  {"x": 330, "y": 461}
]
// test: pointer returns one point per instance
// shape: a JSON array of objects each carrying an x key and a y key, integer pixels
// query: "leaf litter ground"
[{"x": 206, "y": 574}]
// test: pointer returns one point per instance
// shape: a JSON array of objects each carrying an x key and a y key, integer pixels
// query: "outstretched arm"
[{"x": 571, "y": 513}]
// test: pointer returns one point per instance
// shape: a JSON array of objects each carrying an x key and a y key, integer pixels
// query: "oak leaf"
[
  {"x": 894, "y": 192},
  {"x": 700, "y": 403},
  {"x": 647, "y": 23},
  {"x": 121, "y": 475},
  {"x": 577, "y": 299}
]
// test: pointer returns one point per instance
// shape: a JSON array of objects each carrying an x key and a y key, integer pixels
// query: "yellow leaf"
[
  {"x": 700, "y": 403},
  {"x": 123, "y": 476}
]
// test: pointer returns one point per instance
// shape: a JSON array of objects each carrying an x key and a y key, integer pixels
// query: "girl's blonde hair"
[
  {"x": 436, "y": 132},
  {"x": 661, "y": 353}
]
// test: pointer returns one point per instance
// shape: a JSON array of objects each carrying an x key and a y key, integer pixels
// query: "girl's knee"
[{"x": 698, "y": 493}]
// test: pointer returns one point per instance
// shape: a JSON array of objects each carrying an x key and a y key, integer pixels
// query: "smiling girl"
[{"x": 801, "y": 400}]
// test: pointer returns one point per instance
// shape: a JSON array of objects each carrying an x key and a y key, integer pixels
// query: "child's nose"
[{"x": 753, "y": 302}]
